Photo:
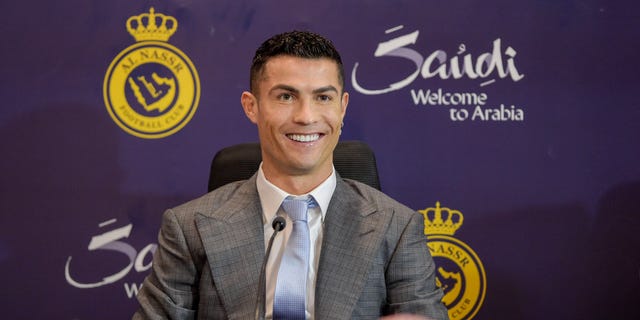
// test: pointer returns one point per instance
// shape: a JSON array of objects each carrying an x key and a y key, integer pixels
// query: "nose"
[{"x": 304, "y": 112}]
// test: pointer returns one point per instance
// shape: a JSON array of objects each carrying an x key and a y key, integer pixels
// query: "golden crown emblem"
[
  {"x": 435, "y": 224},
  {"x": 152, "y": 26}
]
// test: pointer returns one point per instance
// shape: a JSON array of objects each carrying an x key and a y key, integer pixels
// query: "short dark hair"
[{"x": 302, "y": 44}]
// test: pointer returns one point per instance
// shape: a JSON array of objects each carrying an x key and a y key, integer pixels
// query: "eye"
[
  {"x": 324, "y": 98},
  {"x": 285, "y": 97}
]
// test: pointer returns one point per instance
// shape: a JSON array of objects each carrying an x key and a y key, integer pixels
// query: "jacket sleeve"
[
  {"x": 170, "y": 291},
  {"x": 410, "y": 276}
]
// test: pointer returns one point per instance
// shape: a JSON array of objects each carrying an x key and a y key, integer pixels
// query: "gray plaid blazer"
[{"x": 374, "y": 259}]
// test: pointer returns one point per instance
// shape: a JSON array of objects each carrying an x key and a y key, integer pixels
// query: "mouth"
[{"x": 304, "y": 137}]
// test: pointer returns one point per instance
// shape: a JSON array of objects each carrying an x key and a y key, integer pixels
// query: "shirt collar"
[{"x": 271, "y": 196}]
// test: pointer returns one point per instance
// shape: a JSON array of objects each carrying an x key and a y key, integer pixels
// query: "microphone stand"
[{"x": 278, "y": 225}]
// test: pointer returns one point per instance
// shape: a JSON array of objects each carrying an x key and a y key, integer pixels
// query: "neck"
[{"x": 297, "y": 184}]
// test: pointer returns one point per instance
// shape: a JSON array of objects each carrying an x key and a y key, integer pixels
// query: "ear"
[
  {"x": 344, "y": 102},
  {"x": 250, "y": 106}
]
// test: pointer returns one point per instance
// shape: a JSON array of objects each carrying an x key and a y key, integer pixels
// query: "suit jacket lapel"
[
  {"x": 233, "y": 240},
  {"x": 352, "y": 233}
]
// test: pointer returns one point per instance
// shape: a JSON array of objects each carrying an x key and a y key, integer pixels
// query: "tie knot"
[{"x": 296, "y": 208}]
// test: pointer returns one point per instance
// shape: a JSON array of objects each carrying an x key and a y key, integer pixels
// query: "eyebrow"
[
  {"x": 285, "y": 88},
  {"x": 294, "y": 90},
  {"x": 325, "y": 89}
]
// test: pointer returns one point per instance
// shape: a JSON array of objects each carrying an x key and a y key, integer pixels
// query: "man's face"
[{"x": 298, "y": 109}]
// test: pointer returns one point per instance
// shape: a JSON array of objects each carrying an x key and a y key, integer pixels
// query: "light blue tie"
[{"x": 292, "y": 276}]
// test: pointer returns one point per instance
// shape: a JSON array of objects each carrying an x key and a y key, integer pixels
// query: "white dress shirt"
[{"x": 271, "y": 198}]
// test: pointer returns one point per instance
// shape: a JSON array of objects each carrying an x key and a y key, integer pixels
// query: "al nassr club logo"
[
  {"x": 460, "y": 272},
  {"x": 151, "y": 89}
]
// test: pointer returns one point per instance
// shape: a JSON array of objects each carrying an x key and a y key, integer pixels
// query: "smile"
[{"x": 304, "y": 137}]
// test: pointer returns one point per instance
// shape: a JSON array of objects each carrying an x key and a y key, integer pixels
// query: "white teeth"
[{"x": 304, "y": 137}]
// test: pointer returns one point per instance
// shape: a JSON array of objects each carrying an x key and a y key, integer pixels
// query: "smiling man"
[
  {"x": 348, "y": 251},
  {"x": 298, "y": 105}
]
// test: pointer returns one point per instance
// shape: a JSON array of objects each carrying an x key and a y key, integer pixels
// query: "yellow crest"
[
  {"x": 441, "y": 220},
  {"x": 152, "y": 26},
  {"x": 460, "y": 273},
  {"x": 151, "y": 89}
]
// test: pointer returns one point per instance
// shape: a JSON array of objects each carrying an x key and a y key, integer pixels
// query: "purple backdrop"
[{"x": 520, "y": 115}]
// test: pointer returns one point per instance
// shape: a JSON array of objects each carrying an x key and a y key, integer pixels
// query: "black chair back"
[{"x": 352, "y": 159}]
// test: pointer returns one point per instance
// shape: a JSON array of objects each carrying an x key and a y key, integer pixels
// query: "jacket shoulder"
[
  {"x": 376, "y": 197},
  {"x": 213, "y": 200}
]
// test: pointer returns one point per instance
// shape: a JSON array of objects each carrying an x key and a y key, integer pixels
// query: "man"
[{"x": 367, "y": 255}]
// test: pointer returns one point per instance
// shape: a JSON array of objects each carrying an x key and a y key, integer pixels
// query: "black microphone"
[{"x": 278, "y": 225}]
